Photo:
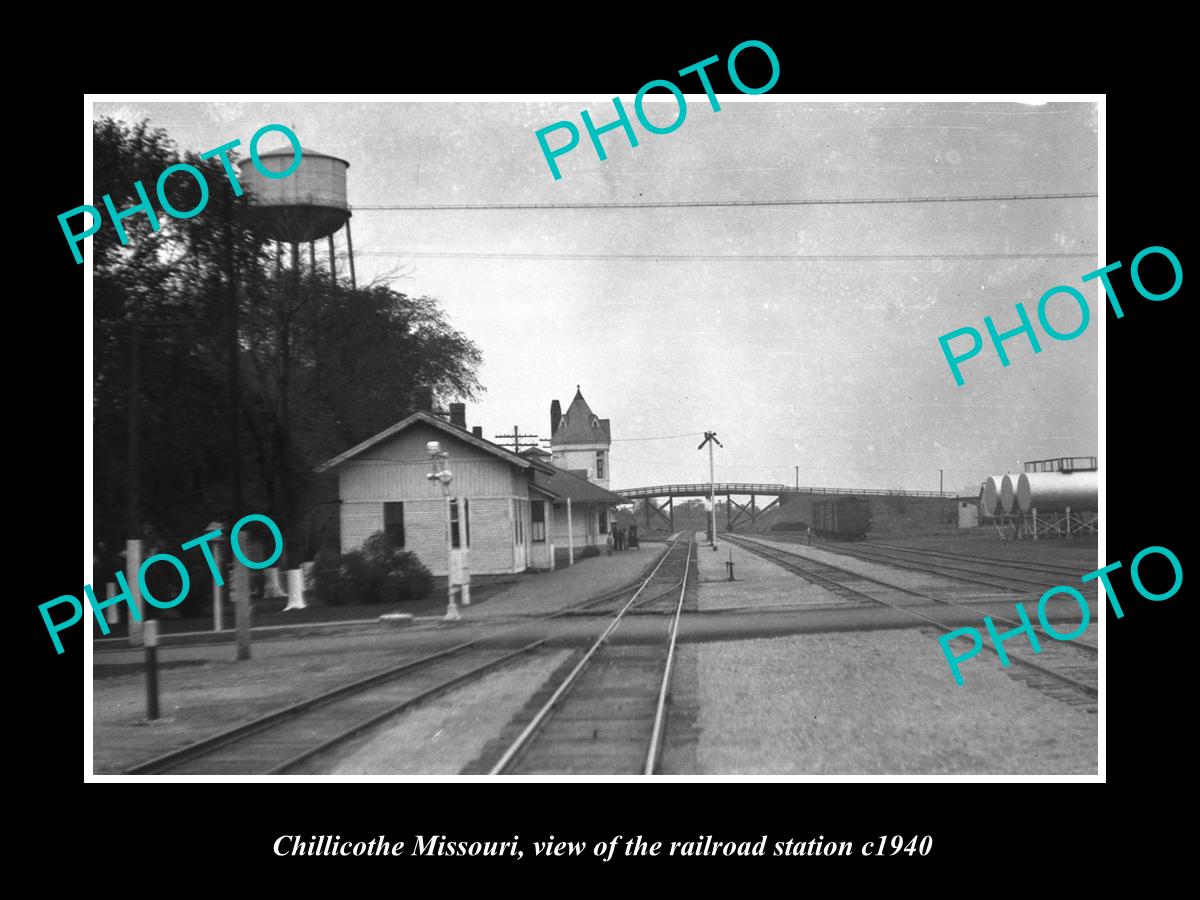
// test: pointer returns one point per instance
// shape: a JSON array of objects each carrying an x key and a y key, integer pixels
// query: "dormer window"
[{"x": 595, "y": 421}]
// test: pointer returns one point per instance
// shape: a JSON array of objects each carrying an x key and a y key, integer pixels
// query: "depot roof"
[
  {"x": 562, "y": 484},
  {"x": 454, "y": 431}
]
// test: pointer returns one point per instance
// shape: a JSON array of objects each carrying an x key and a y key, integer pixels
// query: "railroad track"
[
  {"x": 904, "y": 559},
  {"x": 1072, "y": 678},
  {"x": 607, "y": 715},
  {"x": 1023, "y": 563},
  {"x": 277, "y": 742}
]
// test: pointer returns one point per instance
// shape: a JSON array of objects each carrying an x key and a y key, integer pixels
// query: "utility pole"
[
  {"x": 941, "y": 482},
  {"x": 710, "y": 438},
  {"x": 240, "y": 586},
  {"x": 797, "y": 478},
  {"x": 133, "y": 529},
  {"x": 516, "y": 439}
]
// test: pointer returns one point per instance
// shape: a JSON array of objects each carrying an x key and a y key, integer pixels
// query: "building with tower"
[
  {"x": 580, "y": 440},
  {"x": 511, "y": 511}
]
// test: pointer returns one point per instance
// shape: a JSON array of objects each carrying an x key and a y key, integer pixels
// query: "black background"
[{"x": 981, "y": 831}]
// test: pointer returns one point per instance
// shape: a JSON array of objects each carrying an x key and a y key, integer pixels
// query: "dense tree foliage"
[{"x": 322, "y": 366}]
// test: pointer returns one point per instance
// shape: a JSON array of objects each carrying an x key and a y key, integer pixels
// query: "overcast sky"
[{"x": 829, "y": 365}]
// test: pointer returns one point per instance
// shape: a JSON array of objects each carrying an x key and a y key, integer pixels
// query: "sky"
[{"x": 833, "y": 365}]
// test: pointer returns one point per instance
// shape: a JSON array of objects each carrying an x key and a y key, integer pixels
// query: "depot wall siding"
[
  {"x": 491, "y": 536},
  {"x": 358, "y": 522},
  {"x": 395, "y": 471},
  {"x": 425, "y": 532},
  {"x": 579, "y": 534}
]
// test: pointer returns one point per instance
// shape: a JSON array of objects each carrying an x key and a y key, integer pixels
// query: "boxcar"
[{"x": 842, "y": 518}]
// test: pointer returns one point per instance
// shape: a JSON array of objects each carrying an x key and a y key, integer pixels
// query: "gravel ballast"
[{"x": 877, "y": 703}]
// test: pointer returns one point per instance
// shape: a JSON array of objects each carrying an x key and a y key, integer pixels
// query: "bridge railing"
[{"x": 701, "y": 490}]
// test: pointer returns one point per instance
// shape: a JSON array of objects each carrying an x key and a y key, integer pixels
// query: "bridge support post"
[{"x": 665, "y": 511}]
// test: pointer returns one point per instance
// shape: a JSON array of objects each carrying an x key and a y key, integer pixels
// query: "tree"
[{"x": 322, "y": 366}]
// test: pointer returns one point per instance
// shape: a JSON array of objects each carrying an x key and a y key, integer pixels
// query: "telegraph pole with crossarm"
[
  {"x": 710, "y": 438},
  {"x": 517, "y": 443}
]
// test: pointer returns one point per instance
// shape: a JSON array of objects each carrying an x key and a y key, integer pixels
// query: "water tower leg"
[
  {"x": 350, "y": 253},
  {"x": 332, "y": 263}
]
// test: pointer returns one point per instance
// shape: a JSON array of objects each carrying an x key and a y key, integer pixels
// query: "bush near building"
[{"x": 377, "y": 573}]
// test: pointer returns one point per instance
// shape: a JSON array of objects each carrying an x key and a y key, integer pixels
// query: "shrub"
[
  {"x": 405, "y": 578},
  {"x": 361, "y": 578},
  {"x": 375, "y": 574}
]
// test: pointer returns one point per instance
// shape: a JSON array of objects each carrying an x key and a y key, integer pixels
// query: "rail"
[
  {"x": 778, "y": 555},
  {"x": 525, "y": 737},
  {"x": 664, "y": 690}
]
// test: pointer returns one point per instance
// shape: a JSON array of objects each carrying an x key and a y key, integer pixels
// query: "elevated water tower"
[{"x": 303, "y": 207}]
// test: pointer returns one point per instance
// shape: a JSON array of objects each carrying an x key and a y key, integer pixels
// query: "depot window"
[
  {"x": 393, "y": 525},
  {"x": 457, "y": 508},
  {"x": 537, "y": 529}
]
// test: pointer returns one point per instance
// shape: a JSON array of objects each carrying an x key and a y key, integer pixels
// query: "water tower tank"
[{"x": 306, "y": 205}]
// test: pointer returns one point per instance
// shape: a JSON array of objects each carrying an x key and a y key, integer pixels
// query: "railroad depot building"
[{"x": 512, "y": 511}]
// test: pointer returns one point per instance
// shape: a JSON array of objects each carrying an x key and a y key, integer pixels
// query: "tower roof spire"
[{"x": 579, "y": 425}]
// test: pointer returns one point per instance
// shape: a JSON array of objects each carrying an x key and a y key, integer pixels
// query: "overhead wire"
[
  {"x": 733, "y": 257},
  {"x": 682, "y": 204}
]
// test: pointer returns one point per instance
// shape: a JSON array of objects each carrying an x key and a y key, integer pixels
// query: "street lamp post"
[{"x": 444, "y": 477}]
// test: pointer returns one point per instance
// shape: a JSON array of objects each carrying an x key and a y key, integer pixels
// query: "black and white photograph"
[{"x": 734, "y": 435}]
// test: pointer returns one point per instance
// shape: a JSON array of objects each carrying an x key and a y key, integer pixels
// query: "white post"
[
  {"x": 460, "y": 570},
  {"x": 218, "y": 612},
  {"x": 133, "y": 562},
  {"x": 112, "y": 614},
  {"x": 240, "y": 590},
  {"x": 712, "y": 497},
  {"x": 570, "y": 536},
  {"x": 295, "y": 590},
  {"x": 451, "y": 609}
]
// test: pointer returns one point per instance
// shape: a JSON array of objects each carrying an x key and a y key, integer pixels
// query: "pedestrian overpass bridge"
[{"x": 660, "y": 499}]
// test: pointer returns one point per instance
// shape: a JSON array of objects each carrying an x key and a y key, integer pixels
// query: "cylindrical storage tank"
[
  {"x": 1055, "y": 491},
  {"x": 989, "y": 499},
  {"x": 1008, "y": 494},
  {"x": 308, "y": 204}
]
